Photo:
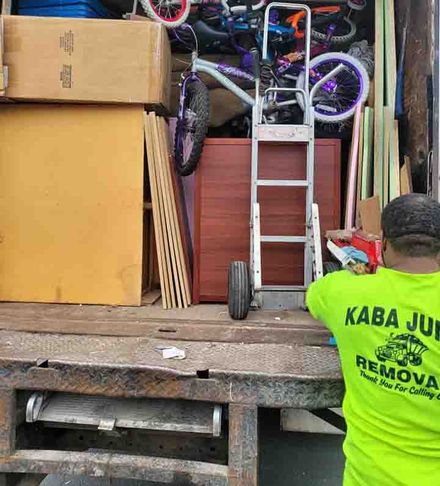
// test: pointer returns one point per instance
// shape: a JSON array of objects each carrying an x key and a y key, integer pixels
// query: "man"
[{"x": 387, "y": 329}]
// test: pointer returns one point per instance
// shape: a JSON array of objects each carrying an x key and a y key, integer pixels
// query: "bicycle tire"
[
  {"x": 170, "y": 23},
  {"x": 355, "y": 67},
  {"x": 337, "y": 40},
  {"x": 196, "y": 105}
]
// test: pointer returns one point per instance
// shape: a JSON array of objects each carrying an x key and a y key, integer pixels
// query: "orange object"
[{"x": 295, "y": 19}]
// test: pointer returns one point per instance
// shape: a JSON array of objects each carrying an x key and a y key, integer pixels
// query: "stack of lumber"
[
  {"x": 374, "y": 163},
  {"x": 173, "y": 271}
]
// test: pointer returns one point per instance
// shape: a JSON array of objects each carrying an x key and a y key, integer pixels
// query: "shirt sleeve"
[
  {"x": 323, "y": 296},
  {"x": 315, "y": 300}
]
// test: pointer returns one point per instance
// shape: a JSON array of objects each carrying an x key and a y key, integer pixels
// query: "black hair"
[{"x": 411, "y": 223}]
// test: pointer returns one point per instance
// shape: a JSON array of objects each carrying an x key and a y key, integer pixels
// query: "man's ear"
[{"x": 384, "y": 244}]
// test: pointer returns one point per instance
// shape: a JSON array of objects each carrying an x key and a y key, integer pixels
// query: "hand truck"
[{"x": 246, "y": 288}]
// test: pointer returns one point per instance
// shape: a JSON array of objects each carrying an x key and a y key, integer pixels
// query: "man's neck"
[{"x": 417, "y": 265}]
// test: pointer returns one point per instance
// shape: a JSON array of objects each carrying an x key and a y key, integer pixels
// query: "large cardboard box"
[
  {"x": 86, "y": 60},
  {"x": 71, "y": 203}
]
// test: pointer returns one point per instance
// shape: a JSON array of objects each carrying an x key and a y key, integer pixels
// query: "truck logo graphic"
[{"x": 403, "y": 349}]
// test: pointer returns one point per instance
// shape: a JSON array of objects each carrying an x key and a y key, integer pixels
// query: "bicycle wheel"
[
  {"x": 191, "y": 128},
  {"x": 171, "y": 13},
  {"x": 337, "y": 99},
  {"x": 345, "y": 32}
]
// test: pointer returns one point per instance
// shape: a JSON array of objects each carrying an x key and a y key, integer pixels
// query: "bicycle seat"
[{"x": 207, "y": 35}]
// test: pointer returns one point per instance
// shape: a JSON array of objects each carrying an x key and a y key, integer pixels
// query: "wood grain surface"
[{"x": 222, "y": 212}]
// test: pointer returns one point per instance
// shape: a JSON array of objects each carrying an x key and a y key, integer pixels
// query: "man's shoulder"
[
  {"x": 337, "y": 285},
  {"x": 344, "y": 279},
  {"x": 328, "y": 293}
]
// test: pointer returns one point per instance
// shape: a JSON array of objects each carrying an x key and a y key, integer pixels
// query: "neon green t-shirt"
[{"x": 387, "y": 329}]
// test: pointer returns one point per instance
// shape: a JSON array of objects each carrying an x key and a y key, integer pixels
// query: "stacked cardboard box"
[
  {"x": 86, "y": 60},
  {"x": 72, "y": 155}
]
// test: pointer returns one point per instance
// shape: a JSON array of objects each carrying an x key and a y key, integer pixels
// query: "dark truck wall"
[{"x": 418, "y": 87}]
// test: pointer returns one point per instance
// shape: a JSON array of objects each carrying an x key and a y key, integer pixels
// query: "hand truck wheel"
[
  {"x": 239, "y": 290},
  {"x": 331, "y": 267}
]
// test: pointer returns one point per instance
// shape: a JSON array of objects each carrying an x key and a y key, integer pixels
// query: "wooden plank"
[
  {"x": 367, "y": 165},
  {"x": 394, "y": 162},
  {"x": 379, "y": 101},
  {"x": 151, "y": 297},
  {"x": 151, "y": 253},
  {"x": 390, "y": 55},
  {"x": 183, "y": 272},
  {"x": 360, "y": 166},
  {"x": 163, "y": 212},
  {"x": 369, "y": 210},
  {"x": 160, "y": 245},
  {"x": 388, "y": 127},
  {"x": 6, "y": 7},
  {"x": 405, "y": 177},
  {"x": 178, "y": 221},
  {"x": 350, "y": 200},
  {"x": 2, "y": 73},
  {"x": 173, "y": 274},
  {"x": 175, "y": 233}
]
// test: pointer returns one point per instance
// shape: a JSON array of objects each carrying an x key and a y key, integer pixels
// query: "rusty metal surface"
[
  {"x": 197, "y": 323},
  {"x": 174, "y": 446},
  {"x": 269, "y": 375},
  {"x": 7, "y": 420},
  {"x": 243, "y": 445},
  {"x": 266, "y": 359},
  {"x": 168, "y": 471},
  {"x": 271, "y": 360}
]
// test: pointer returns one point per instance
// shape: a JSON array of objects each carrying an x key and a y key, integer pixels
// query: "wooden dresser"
[{"x": 222, "y": 210}]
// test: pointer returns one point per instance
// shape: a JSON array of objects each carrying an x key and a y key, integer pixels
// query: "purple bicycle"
[
  {"x": 334, "y": 100},
  {"x": 193, "y": 115}
]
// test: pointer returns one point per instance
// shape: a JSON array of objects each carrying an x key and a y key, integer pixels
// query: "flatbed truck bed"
[{"x": 271, "y": 360}]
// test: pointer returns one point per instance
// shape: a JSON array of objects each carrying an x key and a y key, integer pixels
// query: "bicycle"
[
  {"x": 337, "y": 100},
  {"x": 193, "y": 114},
  {"x": 174, "y": 13},
  {"x": 337, "y": 16}
]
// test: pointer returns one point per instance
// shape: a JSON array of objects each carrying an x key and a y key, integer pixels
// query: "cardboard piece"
[
  {"x": 71, "y": 208},
  {"x": 87, "y": 60},
  {"x": 369, "y": 210}
]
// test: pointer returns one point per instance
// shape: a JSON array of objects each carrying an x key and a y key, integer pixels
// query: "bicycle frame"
[{"x": 219, "y": 72}]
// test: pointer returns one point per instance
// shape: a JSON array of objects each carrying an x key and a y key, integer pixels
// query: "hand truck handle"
[{"x": 256, "y": 62}]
